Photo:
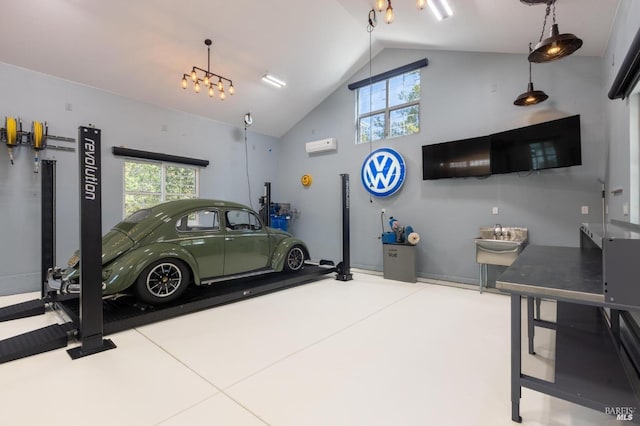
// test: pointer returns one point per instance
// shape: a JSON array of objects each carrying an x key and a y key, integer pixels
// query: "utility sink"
[{"x": 500, "y": 245}]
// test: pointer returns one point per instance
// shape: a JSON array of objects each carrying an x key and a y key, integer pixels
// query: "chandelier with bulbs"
[
  {"x": 211, "y": 81},
  {"x": 440, "y": 9}
]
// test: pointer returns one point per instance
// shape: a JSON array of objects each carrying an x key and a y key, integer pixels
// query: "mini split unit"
[{"x": 330, "y": 144}]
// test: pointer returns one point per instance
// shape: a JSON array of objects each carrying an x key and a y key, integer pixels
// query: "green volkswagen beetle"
[{"x": 157, "y": 252}]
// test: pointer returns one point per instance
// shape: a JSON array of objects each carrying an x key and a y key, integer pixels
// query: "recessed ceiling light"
[
  {"x": 274, "y": 81},
  {"x": 440, "y": 9}
]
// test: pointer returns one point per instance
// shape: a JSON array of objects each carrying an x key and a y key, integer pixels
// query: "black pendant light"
[
  {"x": 531, "y": 96},
  {"x": 557, "y": 45}
]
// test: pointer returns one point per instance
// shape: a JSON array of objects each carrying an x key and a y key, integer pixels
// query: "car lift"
[{"x": 90, "y": 316}]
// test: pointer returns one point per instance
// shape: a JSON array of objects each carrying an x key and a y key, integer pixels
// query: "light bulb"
[
  {"x": 184, "y": 82},
  {"x": 530, "y": 100},
  {"x": 220, "y": 84},
  {"x": 420, "y": 4},
  {"x": 196, "y": 87},
  {"x": 388, "y": 15},
  {"x": 194, "y": 76},
  {"x": 206, "y": 80},
  {"x": 554, "y": 49},
  {"x": 380, "y": 5},
  {"x": 211, "y": 91},
  {"x": 222, "y": 96},
  {"x": 232, "y": 89}
]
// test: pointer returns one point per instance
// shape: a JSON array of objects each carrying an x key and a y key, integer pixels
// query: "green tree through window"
[
  {"x": 147, "y": 184},
  {"x": 389, "y": 108}
]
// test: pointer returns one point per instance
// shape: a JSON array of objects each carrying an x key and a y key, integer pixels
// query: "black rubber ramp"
[
  {"x": 34, "y": 342},
  {"x": 22, "y": 310}
]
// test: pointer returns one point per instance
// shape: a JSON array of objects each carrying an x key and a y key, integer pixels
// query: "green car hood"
[{"x": 114, "y": 243}]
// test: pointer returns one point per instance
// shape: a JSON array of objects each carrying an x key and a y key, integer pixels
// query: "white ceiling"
[{"x": 140, "y": 49}]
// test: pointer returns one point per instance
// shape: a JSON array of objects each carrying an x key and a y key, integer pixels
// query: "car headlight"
[{"x": 73, "y": 261}]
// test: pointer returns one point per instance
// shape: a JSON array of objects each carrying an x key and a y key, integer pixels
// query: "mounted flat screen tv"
[
  {"x": 463, "y": 158},
  {"x": 542, "y": 146}
]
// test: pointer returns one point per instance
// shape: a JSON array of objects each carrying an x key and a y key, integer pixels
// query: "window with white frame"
[
  {"x": 389, "y": 108},
  {"x": 149, "y": 183}
]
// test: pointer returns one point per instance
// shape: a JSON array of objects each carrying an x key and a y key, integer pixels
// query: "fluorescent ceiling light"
[
  {"x": 273, "y": 81},
  {"x": 440, "y": 9}
]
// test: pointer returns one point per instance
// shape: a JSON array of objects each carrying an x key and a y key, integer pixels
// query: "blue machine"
[
  {"x": 279, "y": 220},
  {"x": 399, "y": 234}
]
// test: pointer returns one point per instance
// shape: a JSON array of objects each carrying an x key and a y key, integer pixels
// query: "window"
[
  {"x": 389, "y": 108},
  {"x": 147, "y": 184},
  {"x": 201, "y": 220},
  {"x": 242, "y": 220}
]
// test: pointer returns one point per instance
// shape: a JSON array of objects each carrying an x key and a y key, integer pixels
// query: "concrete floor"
[{"x": 365, "y": 352}]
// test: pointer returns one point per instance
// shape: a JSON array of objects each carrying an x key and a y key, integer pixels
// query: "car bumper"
[{"x": 57, "y": 281}]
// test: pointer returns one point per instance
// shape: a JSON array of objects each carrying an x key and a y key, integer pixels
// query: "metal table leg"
[
  {"x": 538, "y": 302},
  {"x": 516, "y": 323},
  {"x": 483, "y": 276},
  {"x": 530, "y": 325},
  {"x": 615, "y": 324}
]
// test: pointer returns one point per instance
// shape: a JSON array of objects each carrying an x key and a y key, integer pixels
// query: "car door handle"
[{"x": 229, "y": 238}]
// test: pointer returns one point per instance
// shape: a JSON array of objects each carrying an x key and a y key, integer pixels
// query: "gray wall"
[
  {"x": 463, "y": 95},
  {"x": 617, "y": 111},
  {"x": 34, "y": 96}
]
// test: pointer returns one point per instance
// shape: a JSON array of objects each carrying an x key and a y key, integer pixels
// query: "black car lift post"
[
  {"x": 344, "y": 267},
  {"x": 91, "y": 314},
  {"x": 48, "y": 222},
  {"x": 265, "y": 200}
]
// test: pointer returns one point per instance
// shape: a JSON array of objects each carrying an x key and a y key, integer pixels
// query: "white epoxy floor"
[{"x": 365, "y": 352}]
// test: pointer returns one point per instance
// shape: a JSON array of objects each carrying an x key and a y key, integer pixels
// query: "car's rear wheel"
[
  {"x": 295, "y": 259},
  {"x": 162, "y": 281}
]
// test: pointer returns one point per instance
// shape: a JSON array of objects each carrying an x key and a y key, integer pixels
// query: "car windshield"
[{"x": 138, "y": 216}]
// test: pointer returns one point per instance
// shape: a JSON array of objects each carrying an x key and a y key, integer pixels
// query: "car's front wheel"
[
  {"x": 162, "y": 281},
  {"x": 295, "y": 259}
]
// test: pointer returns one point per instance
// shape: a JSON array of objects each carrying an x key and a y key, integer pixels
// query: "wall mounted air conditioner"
[{"x": 330, "y": 144}]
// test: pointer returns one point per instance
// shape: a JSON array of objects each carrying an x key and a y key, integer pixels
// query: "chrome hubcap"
[
  {"x": 295, "y": 258},
  {"x": 164, "y": 279}
]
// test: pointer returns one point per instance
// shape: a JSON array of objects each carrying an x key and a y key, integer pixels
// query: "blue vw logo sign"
[{"x": 383, "y": 172}]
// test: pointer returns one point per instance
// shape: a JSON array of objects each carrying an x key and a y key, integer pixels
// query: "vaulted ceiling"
[{"x": 140, "y": 49}]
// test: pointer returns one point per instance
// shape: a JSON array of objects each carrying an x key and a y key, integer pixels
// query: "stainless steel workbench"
[
  {"x": 556, "y": 272},
  {"x": 591, "y": 370}
]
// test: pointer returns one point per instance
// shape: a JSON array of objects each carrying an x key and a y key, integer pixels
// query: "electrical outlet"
[
  {"x": 384, "y": 210},
  {"x": 584, "y": 210},
  {"x": 494, "y": 210},
  {"x": 625, "y": 208}
]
